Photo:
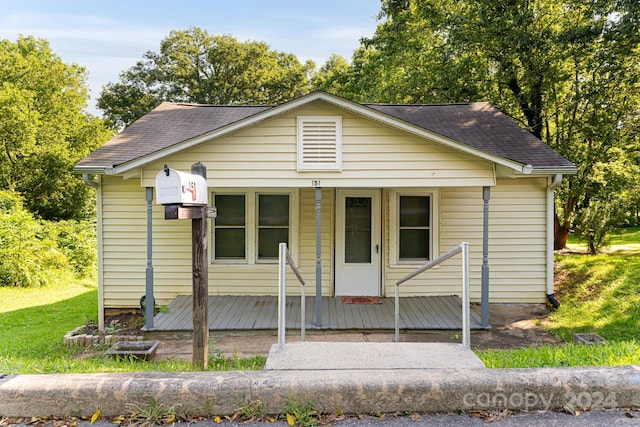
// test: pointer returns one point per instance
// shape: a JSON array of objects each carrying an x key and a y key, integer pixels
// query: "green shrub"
[
  {"x": 29, "y": 254},
  {"x": 9, "y": 201},
  {"x": 77, "y": 240}
]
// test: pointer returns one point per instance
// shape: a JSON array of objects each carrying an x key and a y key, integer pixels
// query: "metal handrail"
[
  {"x": 284, "y": 258},
  {"x": 466, "y": 326}
]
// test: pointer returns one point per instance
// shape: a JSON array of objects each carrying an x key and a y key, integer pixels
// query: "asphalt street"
[{"x": 533, "y": 419}]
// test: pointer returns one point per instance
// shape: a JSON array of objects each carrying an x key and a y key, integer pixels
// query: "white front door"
[{"x": 358, "y": 245}]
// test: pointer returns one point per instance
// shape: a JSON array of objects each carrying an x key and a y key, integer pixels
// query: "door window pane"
[
  {"x": 273, "y": 224},
  {"x": 357, "y": 230},
  {"x": 230, "y": 227},
  {"x": 414, "y": 227}
]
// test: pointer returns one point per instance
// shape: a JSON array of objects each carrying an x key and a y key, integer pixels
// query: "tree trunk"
[{"x": 561, "y": 234}]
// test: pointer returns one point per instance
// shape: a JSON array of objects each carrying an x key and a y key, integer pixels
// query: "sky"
[{"x": 109, "y": 36}]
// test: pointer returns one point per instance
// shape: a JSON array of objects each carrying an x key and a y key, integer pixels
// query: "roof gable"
[{"x": 476, "y": 128}]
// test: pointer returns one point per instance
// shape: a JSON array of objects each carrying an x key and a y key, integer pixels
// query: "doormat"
[{"x": 361, "y": 300}]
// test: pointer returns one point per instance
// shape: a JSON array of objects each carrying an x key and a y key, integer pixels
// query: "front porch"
[{"x": 244, "y": 313}]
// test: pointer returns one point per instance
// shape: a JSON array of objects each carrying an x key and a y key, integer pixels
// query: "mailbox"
[{"x": 180, "y": 188}]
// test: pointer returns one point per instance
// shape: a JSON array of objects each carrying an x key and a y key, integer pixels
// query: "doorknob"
[{"x": 377, "y": 247}]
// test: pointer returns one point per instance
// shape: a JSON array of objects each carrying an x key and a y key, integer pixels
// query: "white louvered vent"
[{"x": 319, "y": 143}]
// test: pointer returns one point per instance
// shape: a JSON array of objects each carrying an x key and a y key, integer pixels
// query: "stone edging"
[{"x": 76, "y": 338}]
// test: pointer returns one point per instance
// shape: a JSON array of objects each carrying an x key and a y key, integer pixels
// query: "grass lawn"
[
  {"x": 33, "y": 322},
  {"x": 598, "y": 294}
]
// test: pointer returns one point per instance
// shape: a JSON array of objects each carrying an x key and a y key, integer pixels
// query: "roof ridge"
[
  {"x": 447, "y": 104},
  {"x": 193, "y": 104}
]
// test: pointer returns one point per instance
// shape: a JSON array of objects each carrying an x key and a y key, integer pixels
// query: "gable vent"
[{"x": 319, "y": 143}]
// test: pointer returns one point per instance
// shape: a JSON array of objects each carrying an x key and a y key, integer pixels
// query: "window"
[
  {"x": 249, "y": 226},
  {"x": 413, "y": 225},
  {"x": 273, "y": 224},
  {"x": 414, "y": 228},
  {"x": 230, "y": 227},
  {"x": 319, "y": 143}
]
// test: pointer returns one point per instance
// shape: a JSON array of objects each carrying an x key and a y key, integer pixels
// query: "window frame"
[
  {"x": 246, "y": 227},
  {"x": 394, "y": 228},
  {"x": 252, "y": 224}
]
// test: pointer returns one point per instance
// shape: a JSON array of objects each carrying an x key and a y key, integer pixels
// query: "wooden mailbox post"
[{"x": 184, "y": 196}]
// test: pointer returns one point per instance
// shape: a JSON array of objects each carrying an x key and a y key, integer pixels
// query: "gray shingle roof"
[
  {"x": 482, "y": 126},
  {"x": 478, "y": 125},
  {"x": 166, "y": 125}
]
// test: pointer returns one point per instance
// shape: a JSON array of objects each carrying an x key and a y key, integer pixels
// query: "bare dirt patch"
[
  {"x": 513, "y": 326},
  {"x": 121, "y": 323}
]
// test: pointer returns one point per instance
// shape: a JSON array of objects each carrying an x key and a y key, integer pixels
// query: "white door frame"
[{"x": 358, "y": 279}]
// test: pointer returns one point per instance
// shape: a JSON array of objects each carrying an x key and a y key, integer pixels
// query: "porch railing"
[
  {"x": 284, "y": 258},
  {"x": 466, "y": 325}
]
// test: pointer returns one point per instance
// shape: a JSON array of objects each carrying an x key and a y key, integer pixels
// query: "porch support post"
[
  {"x": 318, "y": 257},
  {"x": 484, "y": 297},
  {"x": 149, "y": 310}
]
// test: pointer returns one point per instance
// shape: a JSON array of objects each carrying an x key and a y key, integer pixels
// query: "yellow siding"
[
  {"x": 460, "y": 219},
  {"x": 517, "y": 249},
  {"x": 517, "y": 237},
  {"x": 307, "y": 259},
  {"x": 516, "y": 258},
  {"x": 124, "y": 251},
  {"x": 373, "y": 156}
]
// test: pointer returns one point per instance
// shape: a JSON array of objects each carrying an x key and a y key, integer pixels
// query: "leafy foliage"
[
  {"x": 77, "y": 241},
  {"x": 35, "y": 252},
  {"x": 28, "y": 255},
  {"x": 193, "y": 66},
  {"x": 44, "y": 130},
  {"x": 566, "y": 70}
]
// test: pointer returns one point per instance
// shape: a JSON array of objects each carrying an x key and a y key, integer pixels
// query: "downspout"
[
  {"x": 557, "y": 179},
  {"x": 87, "y": 180},
  {"x": 94, "y": 184}
]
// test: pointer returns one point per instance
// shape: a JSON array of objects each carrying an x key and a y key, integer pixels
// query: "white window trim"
[
  {"x": 251, "y": 226},
  {"x": 394, "y": 240},
  {"x": 327, "y": 166}
]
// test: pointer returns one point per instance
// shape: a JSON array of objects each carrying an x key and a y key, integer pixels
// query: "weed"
[
  {"x": 251, "y": 410},
  {"x": 300, "y": 412},
  {"x": 154, "y": 414}
]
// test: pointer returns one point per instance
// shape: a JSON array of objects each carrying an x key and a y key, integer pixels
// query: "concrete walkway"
[
  {"x": 368, "y": 356},
  {"x": 352, "y": 391}
]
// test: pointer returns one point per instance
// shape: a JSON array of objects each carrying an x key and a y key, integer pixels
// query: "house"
[{"x": 392, "y": 186}]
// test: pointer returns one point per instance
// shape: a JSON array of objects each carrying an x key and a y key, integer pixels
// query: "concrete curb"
[{"x": 223, "y": 393}]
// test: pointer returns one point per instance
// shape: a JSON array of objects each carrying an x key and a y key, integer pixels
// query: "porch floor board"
[{"x": 238, "y": 313}]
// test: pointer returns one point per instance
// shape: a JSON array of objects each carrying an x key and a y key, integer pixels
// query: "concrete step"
[{"x": 371, "y": 356}]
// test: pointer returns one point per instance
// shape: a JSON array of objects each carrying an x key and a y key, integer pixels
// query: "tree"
[
  {"x": 332, "y": 75},
  {"x": 44, "y": 130},
  {"x": 193, "y": 66},
  {"x": 566, "y": 70}
]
